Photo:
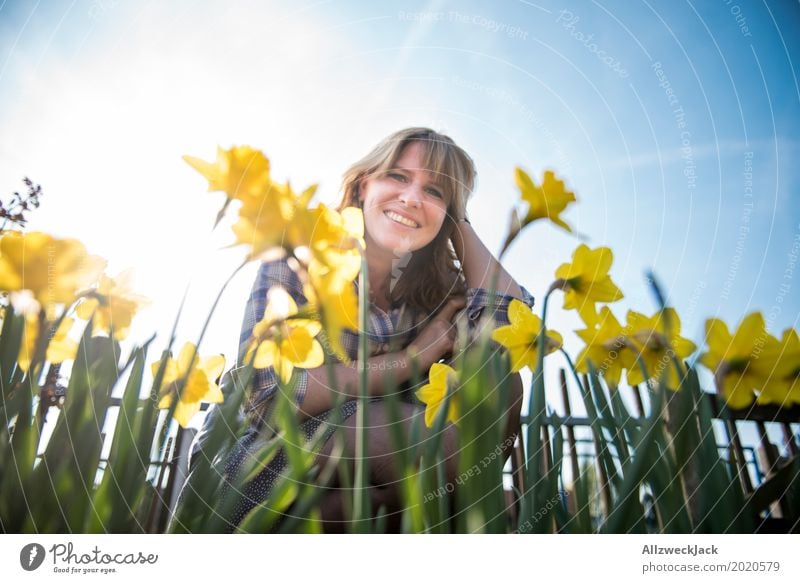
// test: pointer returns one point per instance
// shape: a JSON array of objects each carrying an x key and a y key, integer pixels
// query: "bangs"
[{"x": 441, "y": 158}]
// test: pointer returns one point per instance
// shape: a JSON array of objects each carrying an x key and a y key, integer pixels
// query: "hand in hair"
[{"x": 460, "y": 208}]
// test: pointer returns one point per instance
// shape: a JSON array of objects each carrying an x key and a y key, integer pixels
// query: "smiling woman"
[
  {"x": 425, "y": 267},
  {"x": 405, "y": 205},
  {"x": 413, "y": 188}
]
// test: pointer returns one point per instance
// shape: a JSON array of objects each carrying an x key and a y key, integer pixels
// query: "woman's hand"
[
  {"x": 460, "y": 209},
  {"x": 478, "y": 263},
  {"x": 438, "y": 337}
]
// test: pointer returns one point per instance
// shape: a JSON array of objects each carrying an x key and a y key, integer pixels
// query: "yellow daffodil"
[
  {"x": 607, "y": 347},
  {"x": 585, "y": 281},
  {"x": 283, "y": 342},
  {"x": 59, "y": 348},
  {"x": 239, "y": 172},
  {"x": 434, "y": 392},
  {"x": 336, "y": 240},
  {"x": 335, "y": 300},
  {"x": 200, "y": 385},
  {"x": 786, "y": 391},
  {"x": 521, "y": 337},
  {"x": 547, "y": 201},
  {"x": 744, "y": 362},
  {"x": 658, "y": 340},
  {"x": 113, "y": 305},
  {"x": 53, "y": 270},
  {"x": 271, "y": 219}
]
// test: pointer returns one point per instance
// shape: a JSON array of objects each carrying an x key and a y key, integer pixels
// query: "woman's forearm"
[
  {"x": 479, "y": 264},
  {"x": 321, "y": 396}
]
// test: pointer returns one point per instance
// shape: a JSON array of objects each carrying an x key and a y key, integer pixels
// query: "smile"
[{"x": 401, "y": 220}]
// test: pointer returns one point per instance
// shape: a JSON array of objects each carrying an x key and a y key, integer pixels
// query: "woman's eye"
[
  {"x": 402, "y": 178},
  {"x": 435, "y": 193}
]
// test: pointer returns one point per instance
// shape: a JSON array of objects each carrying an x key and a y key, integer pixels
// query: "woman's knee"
[
  {"x": 383, "y": 429},
  {"x": 390, "y": 439}
]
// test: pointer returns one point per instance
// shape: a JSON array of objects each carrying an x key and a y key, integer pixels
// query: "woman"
[{"x": 412, "y": 188}]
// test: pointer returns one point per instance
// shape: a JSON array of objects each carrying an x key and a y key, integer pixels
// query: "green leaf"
[
  {"x": 625, "y": 421},
  {"x": 603, "y": 452},
  {"x": 123, "y": 485},
  {"x": 18, "y": 455},
  {"x": 537, "y": 484},
  {"x": 685, "y": 439},
  {"x": 583, "y": 516},
  {"x": 263, "y": 517},
  {"x": 256, "y": 463},
  {"x": 721, "y": 499},
  {"x": 70, "y": 462},
  {"x": 608, "y": 420},
  {"x": 10, "y": 342},
  {"x": 665, "y": 482},
  {"x": 627, "y": 512},
  {"x": 562, "y": 516}
]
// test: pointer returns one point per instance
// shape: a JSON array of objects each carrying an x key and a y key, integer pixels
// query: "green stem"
[
  {"x": 535, "y": 415},
  {"x": 361, "y": 505}
]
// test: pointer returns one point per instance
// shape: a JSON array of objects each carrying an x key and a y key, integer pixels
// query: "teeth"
[{"x": 401, "y": 219}]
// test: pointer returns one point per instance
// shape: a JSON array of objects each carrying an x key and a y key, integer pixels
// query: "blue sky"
[{"x": 101, "y": 98}]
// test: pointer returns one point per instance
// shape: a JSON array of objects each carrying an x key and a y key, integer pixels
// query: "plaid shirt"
[{"x": 387, "y": 332}]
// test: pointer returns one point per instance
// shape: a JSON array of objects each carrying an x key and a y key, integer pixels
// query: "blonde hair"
[{"x": 431, "y": 274}]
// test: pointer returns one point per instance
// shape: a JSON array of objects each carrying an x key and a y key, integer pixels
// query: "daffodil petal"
[
  {"x": 266, "y": 354},
  {"x": 185, "y": 357},
  {"x": 214, "y": 394},
  {"x": 185, "y": 411},
  {"x": 213, "y": 366},
  {"x": 557, "y": 339},
  {"x": 737, "y": 393},
  {"x": 605, "y": 290},
  {"x": 430, "y": 394},
  {"x": 717, "y": 335},
  {"x": 507, "y": 336},
  {"x": 522, "y": 356},
  {"x": 430, "y": 414},
  {"x": 750, "y": 328}
]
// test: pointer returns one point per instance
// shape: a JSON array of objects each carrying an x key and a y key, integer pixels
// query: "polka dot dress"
[{"x": 256, "y": 491}]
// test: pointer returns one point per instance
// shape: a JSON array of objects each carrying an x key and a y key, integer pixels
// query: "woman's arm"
[
  {"x": 321, "y": 396},
  {"x": 479, "y": 264},
  {"x": 435, "y": 340},
  {"x": 312, "y": 391}
]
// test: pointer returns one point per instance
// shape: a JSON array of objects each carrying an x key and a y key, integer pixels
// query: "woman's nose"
[{"x": 412, "y": 195}]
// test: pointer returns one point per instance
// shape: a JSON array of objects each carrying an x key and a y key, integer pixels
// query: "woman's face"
[{"x": 404, "y": 208}]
